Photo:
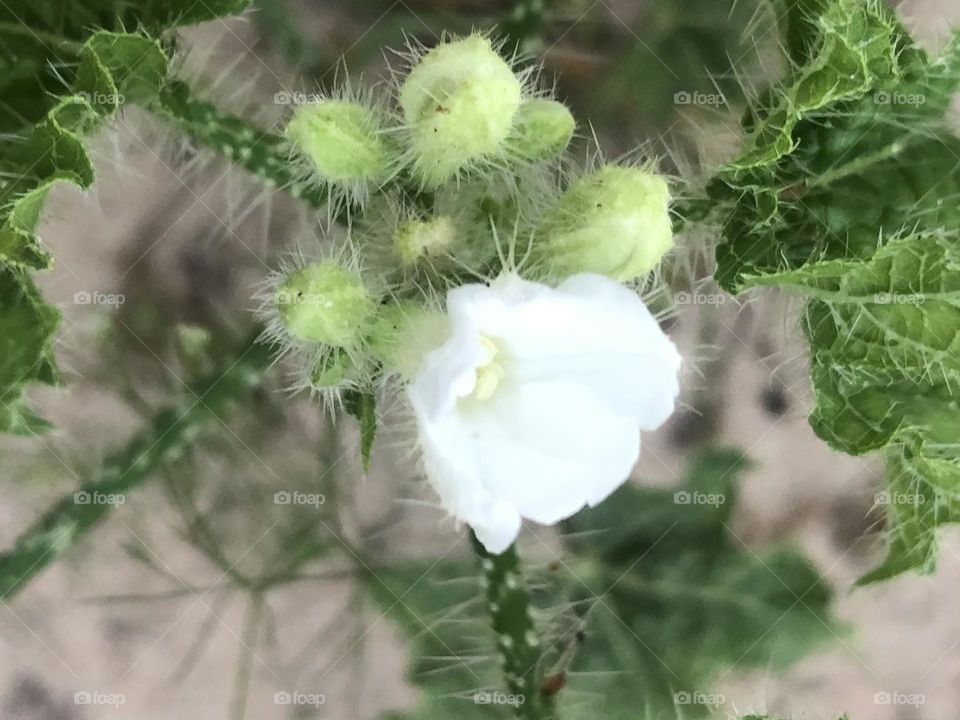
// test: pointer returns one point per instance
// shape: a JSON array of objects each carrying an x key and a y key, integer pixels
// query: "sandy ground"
[{"x": 178, "y": 657}]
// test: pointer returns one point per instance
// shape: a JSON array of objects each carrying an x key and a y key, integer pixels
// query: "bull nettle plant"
[{"x": 473, "y": 268}]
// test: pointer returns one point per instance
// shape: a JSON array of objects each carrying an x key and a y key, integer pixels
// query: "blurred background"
[{"x": 206, "y": 594}]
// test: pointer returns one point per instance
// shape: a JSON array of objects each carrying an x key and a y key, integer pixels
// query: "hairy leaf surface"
[{"x": 846, "y": 193}]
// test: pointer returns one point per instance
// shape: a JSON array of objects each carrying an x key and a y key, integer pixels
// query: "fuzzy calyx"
[
  {"x": 542, "y": 129},
  {"x": 614, "y": 221},
  {"x": 324, "y": 303},
  {"x": 343, "y": 140},
  {"x": 459, "y": 102}
]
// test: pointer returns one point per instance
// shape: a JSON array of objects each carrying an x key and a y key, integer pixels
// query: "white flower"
[{"x": 534, "y": 406}]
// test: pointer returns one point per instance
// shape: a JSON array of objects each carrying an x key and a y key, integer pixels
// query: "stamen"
[{"x": 490, "y": 373}]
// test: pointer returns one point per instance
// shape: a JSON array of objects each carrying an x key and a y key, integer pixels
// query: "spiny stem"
[
  {"x": 260, "y": 152},
  {"x": 517, "y": 640},
  {"x": 167, "y": 439}
]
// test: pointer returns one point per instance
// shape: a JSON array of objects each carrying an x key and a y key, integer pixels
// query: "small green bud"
[
  {"x": 404, "y": 333},
  {"x": 343, "y": 139},
  {"x": 542, "y": 129},
  {"x": 324, "y": 303},
  {"x": 614, "y": 222},
  {"x": 416, "y": 239},
  {"x": 459, "y": 102}
]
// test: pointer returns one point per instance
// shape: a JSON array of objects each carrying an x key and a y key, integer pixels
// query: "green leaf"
[
  {"x": 41, "y": 43},
  {"x": 845, "y": 203},
  {"x": 682, "y": 599},
  {"x": 885, "y": 339},
  {"x": 363, "y": 406},
  {"x": 27, "y": 325},
  {"x": 856, "y": 50},
  {"x": 799, "y": 27},
  {"x": 112, "y": 65},
  {"x": 132, "y": 66}
]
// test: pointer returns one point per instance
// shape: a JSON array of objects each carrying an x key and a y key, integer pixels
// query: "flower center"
[{"x": 490, "y": 372}]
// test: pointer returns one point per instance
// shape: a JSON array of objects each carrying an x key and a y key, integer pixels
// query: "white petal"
[
  {"x": 545, "y": 449},
  {"x": 550, "y": 448},
  {"x": 593, "y": 331},
  {"x": 497, "y": 528},
  {"x": 654, "y": 385}
]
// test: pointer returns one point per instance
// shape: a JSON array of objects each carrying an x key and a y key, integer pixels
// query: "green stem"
[
  {"x": 517, "y": 641},
  {"x": 168, "y": 438},
  {"x": 261, "y": 152}
]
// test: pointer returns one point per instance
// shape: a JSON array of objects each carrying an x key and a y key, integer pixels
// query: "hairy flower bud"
[
  {"x": 459, "y": 103},
  {"x": 324, "y": 303},
  {"x": 416, "y": 239},
  {"x": 614, "y": 222},
  {"x": 542, "y": 129},
  {"x": 343, "y": 140}
]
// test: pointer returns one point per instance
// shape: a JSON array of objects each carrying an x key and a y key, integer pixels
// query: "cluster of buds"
[{"x": 459, "y": 170}]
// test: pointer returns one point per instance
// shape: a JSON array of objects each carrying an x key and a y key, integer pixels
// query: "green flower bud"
[
  {"x": 614, "y": 222},
  {"x": 459, "y": 102},
  {"x": 343, "y": 139},
  {"x": 324, "y": 303},
  {"x": 415, "y": 239},
  {"x": 542, "y": 129},
  {"x": 404, "y": 333}
]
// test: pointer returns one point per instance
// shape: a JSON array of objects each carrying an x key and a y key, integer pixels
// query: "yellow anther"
[
  {"x": 490, "y": 373},
  {"x": 490, "y": 348}
]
